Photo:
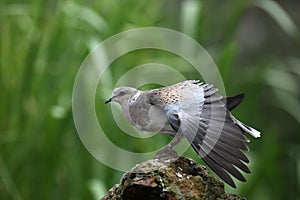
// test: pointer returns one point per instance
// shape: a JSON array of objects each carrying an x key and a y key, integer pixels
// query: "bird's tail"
[
  {"x": 231, "y": 103},
  {"x": 248, "y": 129}
]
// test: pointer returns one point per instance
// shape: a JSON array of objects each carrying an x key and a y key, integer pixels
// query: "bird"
[{"x": 194, "y": 110}]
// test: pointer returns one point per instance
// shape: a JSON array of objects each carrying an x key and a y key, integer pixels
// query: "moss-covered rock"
[{"x": 169, "y": 179}]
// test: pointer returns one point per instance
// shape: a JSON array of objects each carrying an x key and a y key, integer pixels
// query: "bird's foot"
[{"x": 166, "y": 152}]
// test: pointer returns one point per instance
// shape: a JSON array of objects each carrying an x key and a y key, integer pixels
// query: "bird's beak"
[{"x": 108, "y": 100}]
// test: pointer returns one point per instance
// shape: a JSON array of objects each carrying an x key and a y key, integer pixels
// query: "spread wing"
[{"x": 202, "y": 116}]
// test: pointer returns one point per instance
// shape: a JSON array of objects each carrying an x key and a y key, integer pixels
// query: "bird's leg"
[{"x": 168, "y": 151}]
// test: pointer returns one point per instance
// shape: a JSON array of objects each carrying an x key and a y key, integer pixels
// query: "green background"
[{"x": 255, "y": 44}]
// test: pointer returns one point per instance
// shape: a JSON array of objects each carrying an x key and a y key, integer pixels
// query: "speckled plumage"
[
  {"x": 197, "y": 112},
  {"x": 168, "y": 95}
]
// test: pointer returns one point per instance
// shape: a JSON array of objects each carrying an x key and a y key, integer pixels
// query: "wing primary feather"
[
  {"x": 207, "y": 86},
  {"x": 220, "y": 157},
  {"x": 217, "y": 161},
  {"x": 230, "y": 150},
  {"x": 223, "y": 163},
  {"x": 219, "y": 171},
  {"x": 228, "y": 139},
  {"x": 210, "y": 92},
  {"x": 221, "y": 146},
  {"x": 213, "y": 98},
  {"x": 214, "y": 166},
  {"x": 227, "y": 156},
  {"x": 234, "y": 132}
]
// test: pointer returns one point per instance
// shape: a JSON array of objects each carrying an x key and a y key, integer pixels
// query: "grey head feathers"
[{"x": 122, "y": 94}]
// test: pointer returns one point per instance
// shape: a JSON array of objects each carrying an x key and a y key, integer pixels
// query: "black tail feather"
[{"x": 234, "y": 101}]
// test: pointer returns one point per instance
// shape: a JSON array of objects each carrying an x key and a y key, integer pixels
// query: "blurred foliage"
[{"x": 255, "y": 44}]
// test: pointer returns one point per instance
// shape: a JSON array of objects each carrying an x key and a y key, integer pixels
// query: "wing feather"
[{"x": 201, "y": 115}]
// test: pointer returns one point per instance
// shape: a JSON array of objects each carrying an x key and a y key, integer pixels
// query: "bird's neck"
[{"x": 130, "y": 101}]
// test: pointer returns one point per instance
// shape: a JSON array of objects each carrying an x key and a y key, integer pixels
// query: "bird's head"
[{"x": 122, "y": 95}]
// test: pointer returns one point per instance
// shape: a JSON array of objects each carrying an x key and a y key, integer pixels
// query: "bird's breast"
[{"x": 147, "y": 117}]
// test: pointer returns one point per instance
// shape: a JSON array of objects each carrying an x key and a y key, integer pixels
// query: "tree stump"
[{"x": 169, "y": 179}]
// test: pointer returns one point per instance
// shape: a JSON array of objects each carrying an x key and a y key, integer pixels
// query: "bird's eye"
[{"x": 122, "y": 93}]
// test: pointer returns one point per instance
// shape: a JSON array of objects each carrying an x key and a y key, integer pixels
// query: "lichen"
[{"x": 169, "y": 179}]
